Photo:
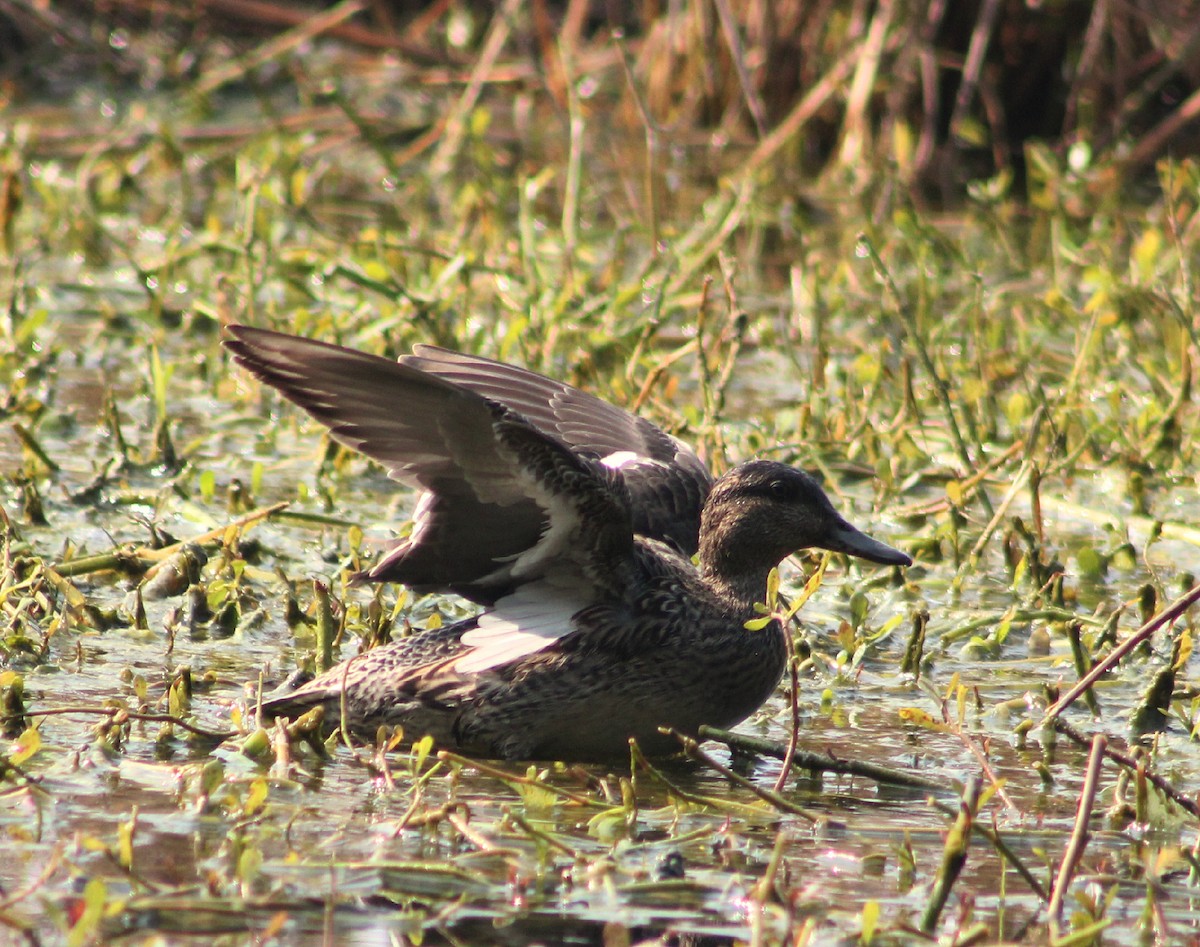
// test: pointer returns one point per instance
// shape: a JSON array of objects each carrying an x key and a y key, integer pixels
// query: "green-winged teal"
[{"x": 572, "y": 521}]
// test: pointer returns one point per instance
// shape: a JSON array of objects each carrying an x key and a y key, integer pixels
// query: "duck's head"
[{"x": 762, "y": 512}]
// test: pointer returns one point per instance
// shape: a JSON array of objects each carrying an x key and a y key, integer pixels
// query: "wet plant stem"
[
  {"x": 1082, "y": 661},
  {"x": 418, "y": 799},
  {"x": 910, "y": 663},
  {"x": 119, "y": 715},
  {"x": 954, "y": 855},
  {"x": 325, "y": 641},
  {"x": 128, "y": 557},
  {"x": 538, "y": 834},
  {"x": 1165, "y": 617},
  {"x": 1162, "y": 784},
  {"x": 997, "y": 842},
  {"x": 504, "y": 776},
  {"x": 281, "y": 747},
  {"x": 53, "y": 863},
  {"x": 763, "y": 890},
  {"x": 821, "y": 763},
  {"x": 326, "y": 627},
  {"x": 998, "y": 517},
  {"x": 481, "y": 842},
  {"x": 25, "y": 436},
  {"x": 692, "y": 749},
  {"x": 794, "y": 736},
  {"x": 1079, "y": 836},
  {"x": 734, "y": 337},
  {"x": 721, "y": 805},
  {"x": 1020, "y": 615}
]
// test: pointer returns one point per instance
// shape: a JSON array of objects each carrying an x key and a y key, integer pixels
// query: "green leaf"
[
  {"x": 858, "y": 608},
  {"x": 609, "y": 826},
  {"x": 420, "y": 752},
  {"x": 25, "y": 746},
  {"x": 249, "y": 864},
  {"x": 211, "y": 777},
  {"x": 921, "y": 718},
  {"x": 1019, "y": 572},
  {"x": 256, "y": 796},
  {"x": 773, "y": 588},
  {"x": 160, "y": 375},
  {"x": 1091, "y": 563},
  {"x": 95, "y": 895},
  {"x": 125, "y": 832},
  {"x": 870, "y": 922}
]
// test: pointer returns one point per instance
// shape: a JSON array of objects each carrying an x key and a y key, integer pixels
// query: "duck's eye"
[{"x": 780, "y": 489}]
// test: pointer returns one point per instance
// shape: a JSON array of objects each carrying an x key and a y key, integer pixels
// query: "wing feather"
[
  {"x": 667, "y": 485},
  {"x": 504, "y": 500}
]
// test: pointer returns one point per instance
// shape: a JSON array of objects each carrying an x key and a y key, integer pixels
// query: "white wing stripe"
[
  {"x": 532, "y": 618},
  {"x": 619, "y": 459}
]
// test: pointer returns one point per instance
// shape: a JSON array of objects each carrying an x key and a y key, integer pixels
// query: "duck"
[{"x": 617, "y": 579}]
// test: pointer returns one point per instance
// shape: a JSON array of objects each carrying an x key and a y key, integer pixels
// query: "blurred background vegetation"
[{"x": 943, "y": 92}]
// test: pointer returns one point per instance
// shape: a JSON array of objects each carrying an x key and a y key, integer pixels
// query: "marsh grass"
[{"x": 1006, "y": 391}]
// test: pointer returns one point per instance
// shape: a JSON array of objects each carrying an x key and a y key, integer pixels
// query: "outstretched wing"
[
  {"x": 667, "y": 482},
  {"x": 503, "y": 503}
]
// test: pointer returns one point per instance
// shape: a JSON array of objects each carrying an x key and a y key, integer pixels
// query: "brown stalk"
[
  {"x": 651, "y": 132},
  {"x": 455, "y": 126},
  {"x": 809, "y": 105},
  {"x": 856, "y": 125},
  {"x": 1160, "y": 783},
  {"x": 1080, "y": 835},
  {"x": 286, "y": 15},
  {"x": 504, "y": 776},
  {"x": 1165, "y": 617},
  {"x": 692, "y": 750},
  {"x": 1098, "y": 29},
  {"x": 1157, "y": 140},
  {"x": 794, "y": 736},
  {"x": 733, "y": 39},
  {"x": 927, "y": 57},
  {"x": 308, "y": 28},
  {"x": 981, "y": 37},
  {"x": 721, "y": 804},
  {"x": 113, "y": 713},
  {"x": 823, "y": 763},
  {"x": 51, "y": 866}
]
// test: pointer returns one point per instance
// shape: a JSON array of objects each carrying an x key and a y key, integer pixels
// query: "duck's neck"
[{"x": 735, "y": 576}]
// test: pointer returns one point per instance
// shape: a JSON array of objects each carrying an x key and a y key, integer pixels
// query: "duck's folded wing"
[
  {"x": 667, "y": 482},
  {"x": 503, "y": 501}
]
